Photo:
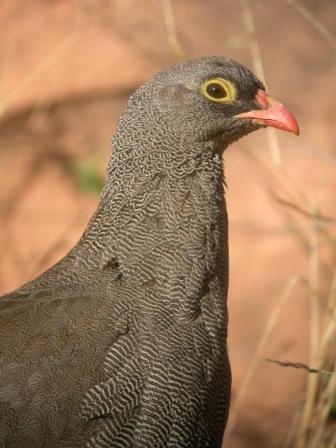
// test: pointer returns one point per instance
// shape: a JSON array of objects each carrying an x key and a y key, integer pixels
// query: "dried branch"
[
  {"x": 258, "y": 68},
  {"x": 298, "y": 365},
  {"x": 314, "y": 22}
]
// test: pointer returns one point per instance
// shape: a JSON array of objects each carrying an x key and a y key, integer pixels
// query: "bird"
[{"x": 123, "y": 342}]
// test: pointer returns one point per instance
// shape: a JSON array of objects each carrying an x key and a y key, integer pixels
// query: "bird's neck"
[
  {"x": 165, "y": 225},
  {"x": 161, "y": 224},
  {"x": 152, "y": 193}
]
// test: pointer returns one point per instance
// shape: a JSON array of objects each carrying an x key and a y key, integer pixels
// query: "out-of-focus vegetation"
[
  {"x": 88, "y": 176},
  {"x": 50, "y": 179}
]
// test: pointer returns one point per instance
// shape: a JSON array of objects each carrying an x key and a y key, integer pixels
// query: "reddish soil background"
[{"x": 66, "y": 70}]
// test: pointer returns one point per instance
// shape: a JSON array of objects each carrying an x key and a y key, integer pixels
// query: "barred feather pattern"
[
  {"x": 167, "y": 378},
  {"x": 123, "y": 342}
]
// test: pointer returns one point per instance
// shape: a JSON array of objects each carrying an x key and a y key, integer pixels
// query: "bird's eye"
[{"x": 219, "y": 90}]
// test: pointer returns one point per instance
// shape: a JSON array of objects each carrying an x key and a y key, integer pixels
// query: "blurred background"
[{"x": 67, "y": 68}]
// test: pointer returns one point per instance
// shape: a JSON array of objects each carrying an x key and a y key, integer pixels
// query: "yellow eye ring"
[{"x": 219, "y": 90}]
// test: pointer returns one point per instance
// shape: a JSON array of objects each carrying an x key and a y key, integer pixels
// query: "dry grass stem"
[
  {"x": 333, "y": 441},
  {"x": 312, "y": 381},
  {"x": 258, "y": 68},
  {"x": 322, "y": 411},
  {"x": 297, "y": 195},
  {"x": 314, "y": 427},
  {"x": 291, "y": 284},
  {"x": 331, "y": 305},
  {"x": 298, "y": 365},
  {"x": 314, "y": 281},
  {"x": 274, "y": 176},
  {"x": 45, "y": 64},
  {"x": 171, "y": 32},
  {"x": 321, "y": 219},
  {"x": 9, "y": 52},
  {"x": 320, "y": 393},
  {"x": 288, "y": 442},
  {"x": 314, "y": 22}
]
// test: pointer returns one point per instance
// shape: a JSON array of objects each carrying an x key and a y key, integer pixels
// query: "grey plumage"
[{"x": 123, "y": 342}]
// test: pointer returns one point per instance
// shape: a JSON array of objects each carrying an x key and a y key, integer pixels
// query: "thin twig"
[
  {"x": 323, "y": 409},
  {"x": 312, "y": 381},
  {"x": 314, "y": 22},
  {"x": 258, "y": 68},
  {"x": 308, "y": 214},
  {"x": 9, "y": 51},
  {"x": 291, "y": 284},
  {"x": 172, "y": 37},
  {"x": 295, "y": 191},
  {"x": 298, "y": 365},
  {"x": 44, "y": 65}
]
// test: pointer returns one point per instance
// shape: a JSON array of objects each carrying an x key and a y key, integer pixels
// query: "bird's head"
[{"x": 212, "y": 99}]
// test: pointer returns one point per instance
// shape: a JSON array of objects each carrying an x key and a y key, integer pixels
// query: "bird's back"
[
  {"x": 44, "y": 374},
  {"x": 79, "y": 367}
]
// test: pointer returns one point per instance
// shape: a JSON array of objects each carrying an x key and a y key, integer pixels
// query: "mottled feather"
[{"x": 123, "y": 342}]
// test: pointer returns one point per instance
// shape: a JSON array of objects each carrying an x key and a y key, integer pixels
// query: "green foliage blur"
[{"x": 88, "y": 176}]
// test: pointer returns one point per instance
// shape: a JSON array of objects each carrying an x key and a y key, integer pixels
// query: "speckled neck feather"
[{"x": 123, "y": 342}]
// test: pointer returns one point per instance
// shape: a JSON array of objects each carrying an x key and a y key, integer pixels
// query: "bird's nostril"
[{"x": 261, "y": 98}]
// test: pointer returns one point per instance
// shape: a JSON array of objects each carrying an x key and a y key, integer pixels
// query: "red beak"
[{"x": 272, "y": 114}]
